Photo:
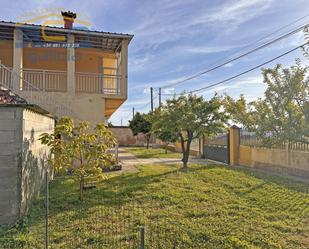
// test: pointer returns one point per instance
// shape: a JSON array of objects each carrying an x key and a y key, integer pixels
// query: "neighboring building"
[
  {"x": 66, "y": 71},
  {"x": 23, "y": 159}
]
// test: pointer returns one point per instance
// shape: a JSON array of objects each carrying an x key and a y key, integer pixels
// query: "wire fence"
[{"x": 117, "y": 222}]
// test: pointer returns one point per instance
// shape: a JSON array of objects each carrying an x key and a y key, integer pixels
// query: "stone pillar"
[
  {"x": 71, "y": 65},
  {"x": 234, "y": 141},
  {"x": 17, "y": 60},
  {"x": 124, "y": 69}
]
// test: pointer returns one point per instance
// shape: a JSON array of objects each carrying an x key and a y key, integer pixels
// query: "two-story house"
[{"x": 67, "y": 71}]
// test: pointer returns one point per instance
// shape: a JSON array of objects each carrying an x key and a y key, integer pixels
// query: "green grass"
[
  {"x": 209, "y": 207},
  {"x": 142, "y": 152}
]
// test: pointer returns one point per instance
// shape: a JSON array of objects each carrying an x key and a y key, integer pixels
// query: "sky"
[{"x": 174, "y": 39}]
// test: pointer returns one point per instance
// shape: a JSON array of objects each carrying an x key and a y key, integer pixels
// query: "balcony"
[{"x": 56, "y": 81}]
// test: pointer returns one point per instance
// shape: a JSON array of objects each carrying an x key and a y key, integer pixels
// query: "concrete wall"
[
  {"x": 125, "y": 137},
  {"x": 10, "y": 163},
  {"x": 34, "y": 155},
  {"x": 22, "y": 159},
  {"x": 282, "y": 161}
]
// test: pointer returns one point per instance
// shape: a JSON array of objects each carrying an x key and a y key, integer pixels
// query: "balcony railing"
[
  {"x": 56, "y": 81},
  {"x": 33, "y": 94},
  {"x": 45, "y": 80},
  {"x": 97, "y": 83}
]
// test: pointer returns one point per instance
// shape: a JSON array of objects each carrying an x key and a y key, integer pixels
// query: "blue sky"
[{"x": 177, "y": 38}]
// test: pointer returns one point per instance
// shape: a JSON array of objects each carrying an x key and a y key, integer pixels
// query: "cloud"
[
  {"x": 245, "y": 84},
  {"x": 228, "y": 65},
  {"x": 167, "y": 23},
  {"x": 207, "y": 49},
  {"x": 234, "y": 13}
]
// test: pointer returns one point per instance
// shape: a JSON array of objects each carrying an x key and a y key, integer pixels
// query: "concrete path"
[{"x": 129, "y": 161}]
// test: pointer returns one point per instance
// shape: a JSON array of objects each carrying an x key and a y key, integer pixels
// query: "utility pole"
[
  {"x": 121, "y": 123},
  {"x": 133, "y": 113},
  {"x": 151, "y": 95},
  {"x": 160, "y": 97}
]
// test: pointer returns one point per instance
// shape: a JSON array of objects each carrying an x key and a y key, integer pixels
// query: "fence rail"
[
  {"x": 113, "y": 222},
  {"x": 250, "y": 139},
  {"x": 219, "y": 139}
]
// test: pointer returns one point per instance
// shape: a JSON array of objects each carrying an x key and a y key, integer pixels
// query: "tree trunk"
[
  {"x": 182, "y": 142},
  {"x": 187, "y": 151},
  {"x": 166, "y": 148},
  {"x": 147, "y": 142},
  {"x": 81, "y": 189}
]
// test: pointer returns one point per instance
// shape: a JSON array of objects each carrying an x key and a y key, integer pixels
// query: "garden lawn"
[
  {"x": 209, "y": 207},
  {"x": 142, "y": 152}
]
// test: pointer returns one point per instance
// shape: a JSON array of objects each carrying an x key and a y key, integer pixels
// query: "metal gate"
[{"x": 218, "y": 148}]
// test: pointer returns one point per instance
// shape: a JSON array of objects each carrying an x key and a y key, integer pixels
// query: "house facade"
[{"x": 67, "y": 71}]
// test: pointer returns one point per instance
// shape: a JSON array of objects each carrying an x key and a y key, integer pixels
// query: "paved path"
[{"x": 129, "y": 161}]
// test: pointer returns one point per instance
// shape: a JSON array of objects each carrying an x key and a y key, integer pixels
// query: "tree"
[
  {"x": 162, "y": 129},
  {"x": 282, "y": 116},
  {"x": 140, "y": 124},
  {"x": 190, "y": 117},
  {"x": 79, "y": 150},
  {"x": 167, "y": 137}
]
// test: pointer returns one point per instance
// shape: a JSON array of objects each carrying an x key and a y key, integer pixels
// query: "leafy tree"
[
  {"x": 282, "y": 116},
  {"x": 167, "y": 137},
  {"x": 79, "y": 150},
  {"x": 190, "y": 117},
  {"x": 140, "y": 124},
  {"x": 162, "y": 129}
]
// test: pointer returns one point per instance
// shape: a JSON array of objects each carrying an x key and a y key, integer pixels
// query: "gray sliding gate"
[{"x": 218, "y": 148}]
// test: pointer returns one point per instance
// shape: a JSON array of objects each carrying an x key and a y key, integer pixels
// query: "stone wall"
[{"x": 22, "y": 159}]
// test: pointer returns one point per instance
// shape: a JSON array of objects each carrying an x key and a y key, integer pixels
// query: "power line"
[
  {"x": 242, "y": 73},
  {"x": 239, "y": 57}
]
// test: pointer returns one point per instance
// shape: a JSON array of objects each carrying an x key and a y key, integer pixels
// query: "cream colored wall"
[
  {"x": 87, "y": 107},
  {"x": 245, "y": 156},
  {"x": 34, "y": 156},
  {"x": 294, "y": 162}
]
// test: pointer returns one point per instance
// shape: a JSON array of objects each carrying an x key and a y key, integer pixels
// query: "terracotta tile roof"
[{"x": 7, "y": 97}]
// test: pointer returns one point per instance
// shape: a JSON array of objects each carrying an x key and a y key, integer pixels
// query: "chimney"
[{"x": 68, "y": 18}]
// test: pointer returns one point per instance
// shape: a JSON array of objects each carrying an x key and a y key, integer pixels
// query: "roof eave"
[{"x": 128, "y": 37}]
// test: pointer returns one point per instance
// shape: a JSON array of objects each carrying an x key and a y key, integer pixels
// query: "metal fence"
[{"x": 250, "y": 139}]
